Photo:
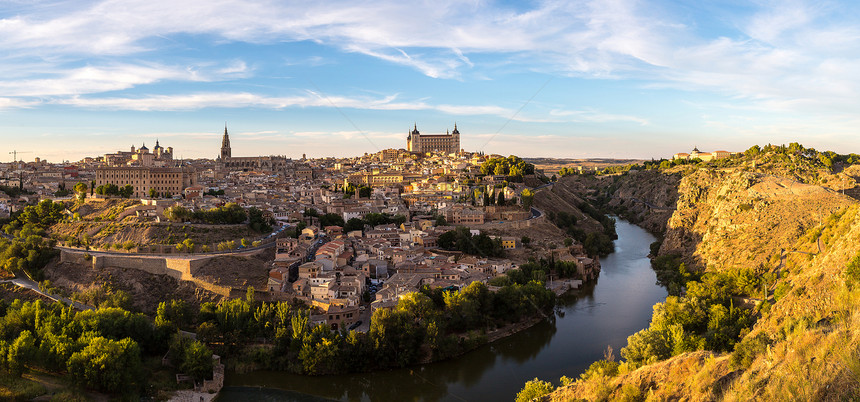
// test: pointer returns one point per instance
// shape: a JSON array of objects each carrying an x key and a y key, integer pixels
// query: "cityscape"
[{"x": 454, "y": 201}]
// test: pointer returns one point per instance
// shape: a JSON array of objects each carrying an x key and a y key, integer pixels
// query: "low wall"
[
  {"x": 181, "y": 269},
  {"x": 522, "y": 224}
]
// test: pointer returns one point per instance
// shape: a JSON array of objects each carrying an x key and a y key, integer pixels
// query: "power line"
[
  {"x": 516, "y": 113},
  {"x": 360, "y": 131}
]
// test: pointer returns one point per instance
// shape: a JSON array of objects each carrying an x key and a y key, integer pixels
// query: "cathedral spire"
[{"x": 225, "y": 144}]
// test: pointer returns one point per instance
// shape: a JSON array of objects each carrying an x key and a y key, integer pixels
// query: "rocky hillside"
[
  {"x": 805, "y": 342},
  {"x": 566, "y": 196},
  {"x": 114, "y": 222},
  {"x": 805, "y": 347},
  {"x": 646, "y": 198},
  {"x": 737, "y": 219}
]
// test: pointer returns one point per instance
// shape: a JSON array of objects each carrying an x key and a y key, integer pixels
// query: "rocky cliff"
[
  {"x": 805, "y": 343},
  {"x": 736, "y": 219}
]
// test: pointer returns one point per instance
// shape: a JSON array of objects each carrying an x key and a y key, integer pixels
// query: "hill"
[{"x": 762, "y": 258}]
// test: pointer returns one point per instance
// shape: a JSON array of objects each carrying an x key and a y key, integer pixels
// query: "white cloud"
[
  {"x": 197, "y": 101},
  {"x": 792, "y": 55},
  {"x": 16, "y": 103}
]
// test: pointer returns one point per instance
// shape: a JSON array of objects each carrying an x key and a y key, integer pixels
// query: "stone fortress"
[{"x": 448, "y": 143}]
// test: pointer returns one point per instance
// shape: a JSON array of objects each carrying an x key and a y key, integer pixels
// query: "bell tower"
[{"x": 225, "y": 144}]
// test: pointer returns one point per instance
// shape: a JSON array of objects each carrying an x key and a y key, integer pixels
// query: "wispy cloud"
[{"x": 197, "y": 101}]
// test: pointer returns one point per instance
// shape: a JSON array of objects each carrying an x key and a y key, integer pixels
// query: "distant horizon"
[
  {"x": 624, "y": 79},
  {"x": 177, "y": 156}
]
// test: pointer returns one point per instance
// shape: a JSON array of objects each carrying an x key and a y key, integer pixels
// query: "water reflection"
[{"x": 598, "y": 315}]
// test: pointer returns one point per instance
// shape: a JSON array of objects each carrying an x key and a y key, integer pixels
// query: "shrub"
[
  {"x": 852, "y": 272},
  {"x": 781, "y": 290},
  {"x": 747, "y": 350},
  {"x": 606, "y": 368},
  {"x": 534, "y": 389}
]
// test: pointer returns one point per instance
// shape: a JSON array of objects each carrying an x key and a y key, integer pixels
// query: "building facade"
[
  {"x": 448, "y": 143},
  {"x": 166, "y": 181},
  {"x": 159, "y": 156},
  {"x": 705, "y": 156},
  {"x": 228, "y": 163}
]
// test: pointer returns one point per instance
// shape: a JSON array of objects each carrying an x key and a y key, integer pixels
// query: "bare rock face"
[{"x": 728, "y": 219}]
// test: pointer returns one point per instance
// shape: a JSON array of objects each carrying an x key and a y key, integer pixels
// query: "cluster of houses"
[{"x": 345, "y": 274}]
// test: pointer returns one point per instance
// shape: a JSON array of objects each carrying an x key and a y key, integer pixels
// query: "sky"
[{"x": 568, "y": 79}]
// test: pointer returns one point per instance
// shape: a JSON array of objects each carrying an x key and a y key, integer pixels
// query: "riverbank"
[{"x": 603, "y": 312}]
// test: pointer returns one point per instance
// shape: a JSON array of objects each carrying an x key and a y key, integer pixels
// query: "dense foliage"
[
  {"x": 373, "y": 220},
  {"x": 100, "y": 349},
  {"x": 512, "y": 166},
  {"x": 705, "y": 317},
  {"x": 461, "y": 239},
  {"x": 112, "y": 189},
  {"x": 430, "y": 324},
  {"x": 228, "y": 214},
  {"x": 28, "y": 250},
  {"x": 594, "y": 243}
]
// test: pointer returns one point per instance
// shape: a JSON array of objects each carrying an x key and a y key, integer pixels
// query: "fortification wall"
[
  {"x": 181, "y": 269},
  {"x": 522, "y": 224}
]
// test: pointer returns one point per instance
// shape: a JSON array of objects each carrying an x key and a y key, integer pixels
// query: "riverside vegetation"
[
  {"x": 762, "y": 263},
  {"x": 118, "y": 351}
]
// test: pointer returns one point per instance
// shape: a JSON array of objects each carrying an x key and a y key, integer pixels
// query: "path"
[{"x": 32, "y": 285}]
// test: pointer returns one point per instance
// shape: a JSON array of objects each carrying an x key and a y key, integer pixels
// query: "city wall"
[
  {"x": 181, "y": 269},
  {"x": 503, "y": 225}
]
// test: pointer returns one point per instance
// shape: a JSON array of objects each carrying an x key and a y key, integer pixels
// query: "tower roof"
[
  {"x": 415, "y": 130},
  {"x": 225, "y": 142},
  {"x": 455, "y": 129}
]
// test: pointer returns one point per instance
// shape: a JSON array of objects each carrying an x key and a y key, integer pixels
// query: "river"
[{"x": 601, "y": 314}]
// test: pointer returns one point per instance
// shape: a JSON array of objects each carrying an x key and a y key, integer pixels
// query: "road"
[{"x": 32, "y": 285}]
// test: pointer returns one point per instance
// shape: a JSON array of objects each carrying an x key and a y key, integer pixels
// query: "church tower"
[
  {"x": 455, "y": 140},
  {"x": 225, "y": 145}
]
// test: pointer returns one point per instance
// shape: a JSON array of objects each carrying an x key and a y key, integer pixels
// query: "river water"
[{"x": 601, "y": 314}]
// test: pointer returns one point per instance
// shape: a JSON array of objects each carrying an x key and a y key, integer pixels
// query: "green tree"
[
  {"x": 197, "y": 361},
  {"x": 106, "y": 364},
  {"x": 81, "y": 187},
  {"x": 21, "y": 352},
  {"x": 534, "y": 389}
]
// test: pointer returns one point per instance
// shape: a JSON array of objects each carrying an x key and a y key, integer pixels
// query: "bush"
[
  {"x": 747, "y": 350},
  {"x": 781, "y": 290},
  {"x": 534, "y": 389},
  {"x": 852, "y": 272},
  {"x": 606, "y": 368},
  {"x": 655, "y": 247}
]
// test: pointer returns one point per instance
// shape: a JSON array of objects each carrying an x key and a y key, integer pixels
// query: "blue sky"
[{"x": 608, "y": 78}]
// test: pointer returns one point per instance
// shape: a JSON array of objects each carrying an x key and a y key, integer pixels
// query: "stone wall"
[
  {"x": 181, "y": 269},
  {"x": 522, "y": 224}
]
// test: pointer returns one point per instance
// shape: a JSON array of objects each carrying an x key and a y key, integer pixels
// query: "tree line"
[
  {"x": 99, "y": 349},
  {"x": 461, "y": 239},
  {"x": 228, "y": 214},
  {"x": 431, "y": 324}
]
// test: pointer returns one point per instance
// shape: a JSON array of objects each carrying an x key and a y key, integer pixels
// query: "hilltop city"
[{"x": 363, "y": 230}]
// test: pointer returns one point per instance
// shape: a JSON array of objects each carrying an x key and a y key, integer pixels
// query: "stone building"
[
  {"x": 164, "y": 180},
  {"x": 228, "y": 163},
  {"x": 145, "y": 170},
  {"x": 159, "y": 156},
  {"x": 448, "y": 143}
]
